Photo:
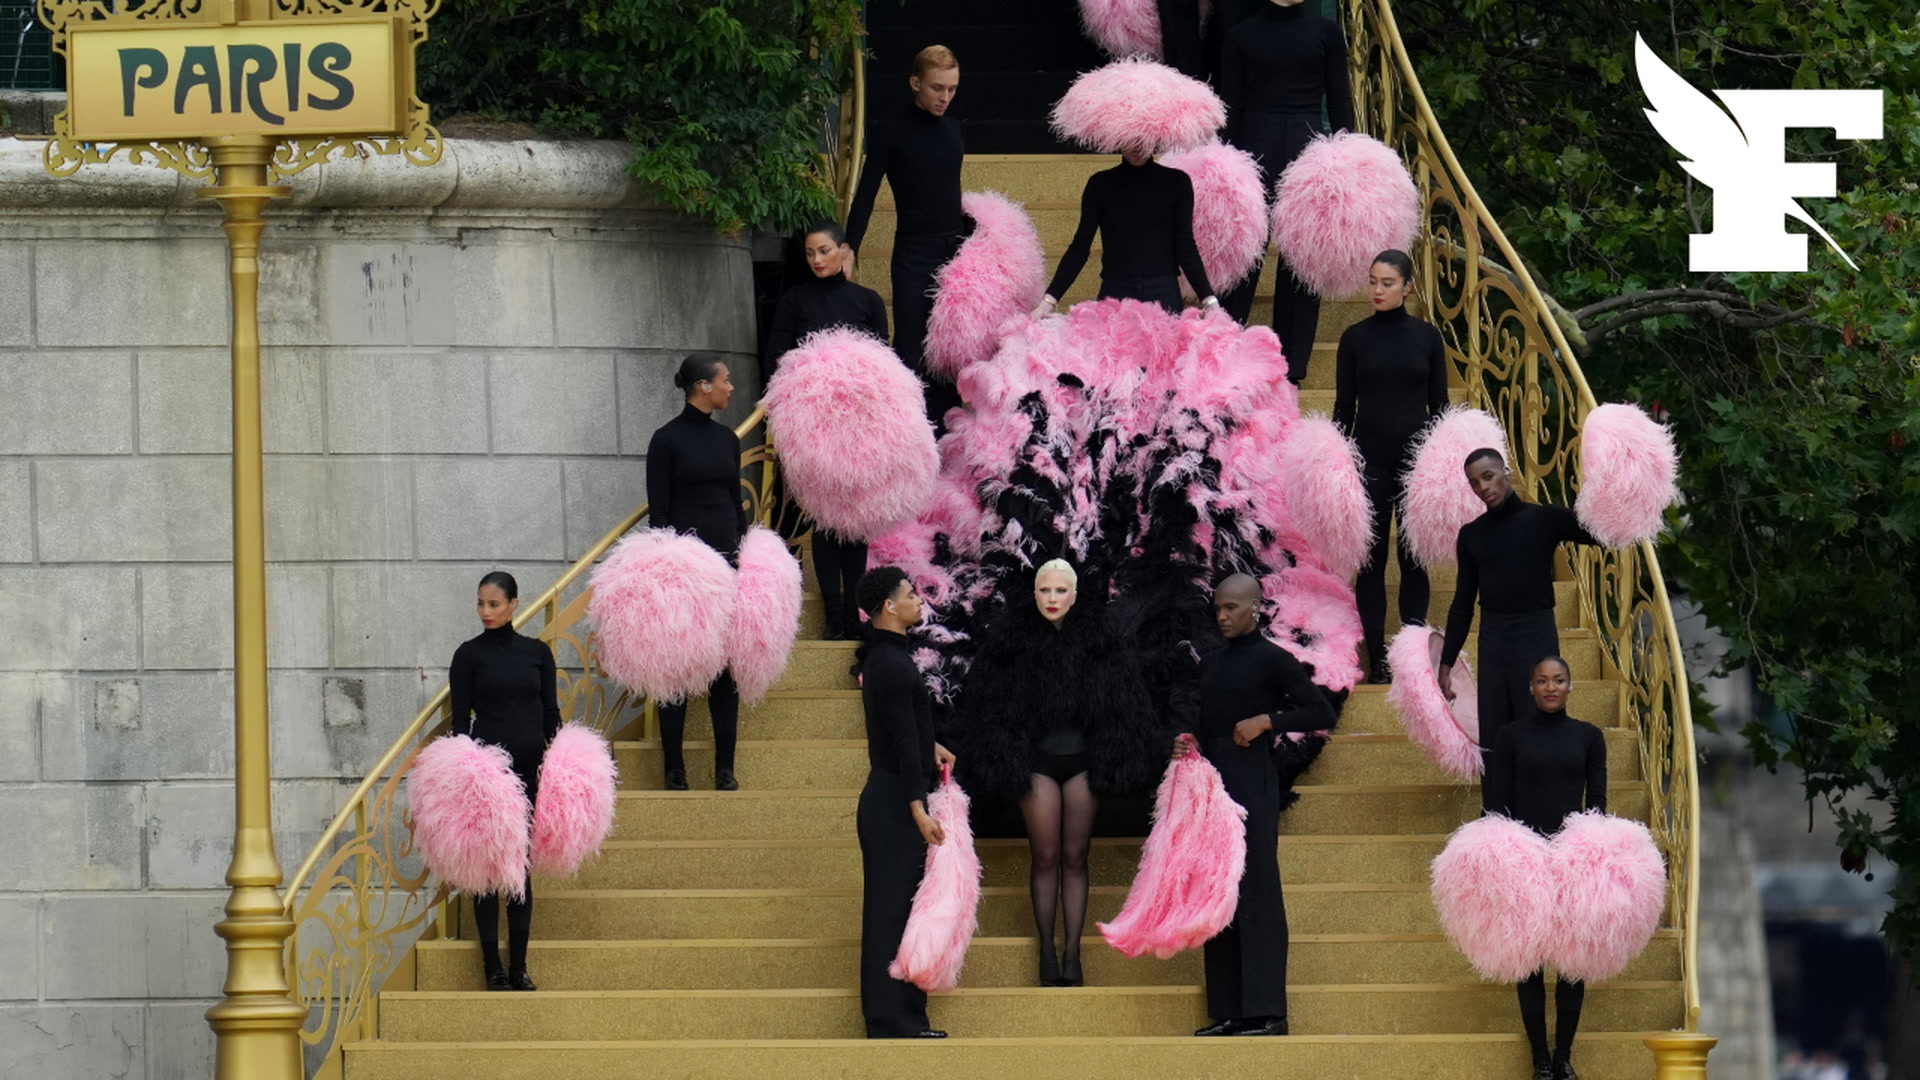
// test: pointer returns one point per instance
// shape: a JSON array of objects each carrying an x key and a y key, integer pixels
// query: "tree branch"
[{"x": 1713, "y": 309}]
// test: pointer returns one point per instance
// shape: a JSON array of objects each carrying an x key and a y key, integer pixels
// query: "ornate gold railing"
[
  {"x": 1505, "y": 345},
  {"x": 843, "y": 137},
  {"x": 362, "y": 897}
]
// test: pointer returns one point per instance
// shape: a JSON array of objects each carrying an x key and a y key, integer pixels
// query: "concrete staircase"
[{"x": 717, "y": 935}]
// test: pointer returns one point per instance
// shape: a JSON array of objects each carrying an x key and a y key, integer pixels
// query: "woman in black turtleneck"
[
  {"x": 891, "y": 817},
  {"x": 1143, "y": 212},
  {"x": 693, "y": 485},
  {"x": 1276, "y": 68},
  {"x": 1542, "y": 768},
  {"x": 503, "y": 691},
  {"x": 1391, "y": 379},
  {"x": 826, "y": 301}
]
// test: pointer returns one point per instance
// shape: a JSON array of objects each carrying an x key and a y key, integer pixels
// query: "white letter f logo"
[{"x": 1744, "y": 161}]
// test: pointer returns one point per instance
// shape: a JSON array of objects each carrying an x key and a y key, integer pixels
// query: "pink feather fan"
[
  {"x": 573, "y": 812},
  {"x": 999, "y": 273},
  {"x": 1123, "y": 27},
  {"x": 1188, "y": 884},
  {"x": 1610, "y": 891},
  {"x": 1628, "y": 475},
  {"x": 1436, "y": 497},
  {"x": 470, "y": 816},
  {"x": 1448, "y": 732},
  {"x": 1326, "y": 493},
  {"x": 1493, "y": 887},
  {"x": 766, "y": 614},
  {"x": 946, "y": 907},
  {"x": 1229, "y": 210},
  {"x": 1137, "y": 103},
  {"x": 662, "y": 609},
  {"x": 850, "y": 424},
  {"x": 1344, "y": 200}
]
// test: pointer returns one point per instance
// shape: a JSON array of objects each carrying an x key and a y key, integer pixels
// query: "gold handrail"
[
  {"x": 1505, "y": 343},
  {"x": 387, "y": 895}
]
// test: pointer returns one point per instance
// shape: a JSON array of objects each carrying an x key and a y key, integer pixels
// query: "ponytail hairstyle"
[
  {"x": 503, "y": 581},
  {"x": 697, "y": 368},
  {"x": 828, "y": 226},
  {"x": 1401, "y": 262}
]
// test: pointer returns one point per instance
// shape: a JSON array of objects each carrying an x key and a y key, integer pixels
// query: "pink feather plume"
[
  {"x": 1449, "y": 733},
  {"x": 946, "y": 907},
  {"x": 1188, "y": 884},
  {"x": 1629, "y": 474},
  {"x": 999, "y": 273},
  {"x": 573, "y": 813},
  {"x": 1344, "y": 200},
  {"x": 1320, "y": 624},
  {"x": 662, "y": 609},
  {"x": 1123, "y": 27},
  {"x": 1327, "y": 494},
  {"x": 1493, "y": 887},
  {"x": 1436, "y": 497},
  {"x": 1135, "y": 103},
  {"x": 470, "y": 816},
  {"x": 1229, "y": 210},
  {"x": 1611, "y": 889},
  {"x": 766, "y": 613}
]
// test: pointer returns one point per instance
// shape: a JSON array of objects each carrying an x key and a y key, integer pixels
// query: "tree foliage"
[
  {"x": 1795, "y": 397},
  {"x": 722, "y": 99}
]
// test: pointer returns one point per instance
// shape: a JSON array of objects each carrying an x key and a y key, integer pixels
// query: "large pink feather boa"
[
  {"x": 573, "y": 813},
  {"x": 469, "y": 813},
  {"x": 946, "y": 907},
  {"x": 1188, "y": 884}
]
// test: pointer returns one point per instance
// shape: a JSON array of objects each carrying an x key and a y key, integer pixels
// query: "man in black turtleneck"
[
  {"x": 1506, "y": 561},
  {"x": 1250, "y": 691},
  {"x": 919, "y": 153}
]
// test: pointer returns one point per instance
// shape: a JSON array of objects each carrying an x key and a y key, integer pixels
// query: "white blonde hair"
[{"x": 1059, "y": 566}]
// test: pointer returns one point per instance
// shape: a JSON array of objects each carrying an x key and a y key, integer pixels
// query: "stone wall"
[{"x": 463, "y": 366}]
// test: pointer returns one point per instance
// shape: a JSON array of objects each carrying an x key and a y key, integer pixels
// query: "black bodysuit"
[
  {"x": 1144, "y": 215},
  {"x": 1544, "y": 767},
  {"x": 693, "y": 480},
  {"x": 821, "y": 304},
  {"x": 919, "y": 155},
  {"x": 892, "y": 851}
]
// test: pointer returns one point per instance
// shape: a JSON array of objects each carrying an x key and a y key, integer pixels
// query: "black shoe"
[
  {"x": 497, "y": 980},
  {"x": 676, "y": 779},
  {"x": 1563, "y": 1070},
  {"x": 1070, "y": 973},
  {"x": 834, "y": 632},
  {"x": 931, "y": 1033},
  {"x": 521, "y": 981},
  {"x": 723, "y": 780},
  {"x": 1543, "y": 1072},
  {"x": 1270, "y": 1025},
  {"x": 1224, "y": 1027},
  {"x": 1049, "y": 966},
  {"x": 1378, "y": 675}
]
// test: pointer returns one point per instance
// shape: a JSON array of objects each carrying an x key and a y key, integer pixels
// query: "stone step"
[
  {"x": 1008, "y": 1012},
  {"x": 801, "y": 963},
  {"x": 1602, "y": 1056}
]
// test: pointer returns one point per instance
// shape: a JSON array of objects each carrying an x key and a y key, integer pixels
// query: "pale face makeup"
[{"x": 1054, "y": 594}]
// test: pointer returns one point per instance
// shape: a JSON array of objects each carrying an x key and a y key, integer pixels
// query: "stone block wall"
[{"x": 463, "y": 365}]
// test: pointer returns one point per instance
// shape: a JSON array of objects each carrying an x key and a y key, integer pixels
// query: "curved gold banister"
[{"x": 1506, "y": 343}]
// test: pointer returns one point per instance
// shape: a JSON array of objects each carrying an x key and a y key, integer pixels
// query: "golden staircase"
[{"x": 716, "y": 935}]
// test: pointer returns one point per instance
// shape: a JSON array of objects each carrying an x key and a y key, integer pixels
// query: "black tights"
[
  {"x": 838, "y": 564},
  {"x": 1370, "y": 589},
  {"x": 486, "y": 917},
  {"x": 1568, "y": 996},
  {"x": 1059, "y": 831},
  {"x": 723, "y": 704}
]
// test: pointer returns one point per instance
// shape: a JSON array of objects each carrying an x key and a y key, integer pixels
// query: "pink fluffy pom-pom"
[
  {"x": 662, "y": 609},
  {"x": 1326, "y": 493},
  {"x": 1188, "y": 885},
  {"x": 1314, "y": 605},
  {"x": 1123, "y": 27},
  {"x": 470, "y": 816},
  {"x": 1344, "y": 200},
  {"x": 1138, "y": 103},
  {"x": 946, "y": 907},
  {"x": 850, "y": 425},
  {"x": 1628, "y": 475},
  {"x": 1611, "y": 888},
  {"x": 1448, "y": 732},
  {"x": 1493, "y": 887},
  {"x": 573, "y": 812},
  {"x": 1436, "y": 497},
  {"x": 1229, "y": 210},
  {"x": 766, "y": 614},
  {"x": 999, "y": 273}
]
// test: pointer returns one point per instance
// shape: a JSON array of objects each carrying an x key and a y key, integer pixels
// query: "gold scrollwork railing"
[
  {"x": 362, "y": 896},
  {"x": 1505, "y": 344},
  {"x": 843, "y": 136}
]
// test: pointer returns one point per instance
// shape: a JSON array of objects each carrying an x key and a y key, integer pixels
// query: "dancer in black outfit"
[
  {"x": 892, "y": 818},
  {"x": 693, "y": 485},
  {"x": 1250, "y": 691},
  {"x": 1143, "y": 212},
  {"x": 504, "y": 692},
  {"x": 919, "y": 152},
  {"x": 1506, "y": 562},
  {"x": 1055, "y": 716},
  {"x": 1276, "y": 68},
  {"x": 829, "y": 300},
  {"x": 1391, "y": 380},
  {"x": 1543, "y": 767}
]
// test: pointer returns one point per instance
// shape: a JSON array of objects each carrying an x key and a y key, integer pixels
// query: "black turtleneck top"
[
  {"x": 1285, "y": 60},
  {"x": 1390, "y": 379},
  {"x": 1252, "y": 676},
  {"x": 505, "y": 692},
  {"x": 1506, "y": 560},
  {"x": 693, "y": 480},
  {"x": 899, "y": 713},
  {"x": 1144, "y": 214},
  {"x": 821, "y": 304},
  {"x": 1544, "y": 767},
  {"x": 919, "y": 154}
]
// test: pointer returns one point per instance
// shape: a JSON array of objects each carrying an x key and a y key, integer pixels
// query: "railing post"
[{"x": 1680, "y": 1055}]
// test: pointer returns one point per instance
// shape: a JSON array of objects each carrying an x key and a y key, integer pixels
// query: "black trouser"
[
  {"x": 723, "y": 704},
  {"x": 838, "y": 564},
  {"x": 1180, "y": 38},
  {"x": 1370, "y": 589},
  {"x": 1246, "y": 963},
  {"x": 892, "y": 860},
  {"x": 1164, "y": 291},
  {"x": 1509, "y": 647},
  {"x": 1275, "y": 139},
  {"x": 486, "y": 909},
  {"x": 915, "y": 259}
]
